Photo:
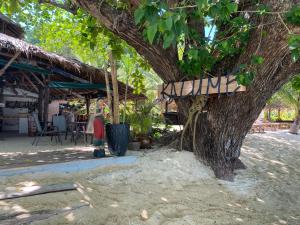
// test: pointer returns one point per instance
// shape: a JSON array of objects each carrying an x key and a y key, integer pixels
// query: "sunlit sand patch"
[
  {"x": 18, "y": 208},
  {"x": 70, "y": 217},
  {"x": 164, "y": 199},
  {"x": 260, "y": 200},
  {"x": 27, "y": 183},
  {"x": 23, "y": 216}
]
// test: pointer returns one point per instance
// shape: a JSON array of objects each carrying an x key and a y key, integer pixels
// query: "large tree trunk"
[{"x": 223, "y": 127}]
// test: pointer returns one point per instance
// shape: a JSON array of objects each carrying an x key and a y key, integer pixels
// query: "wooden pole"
[
  {"x": 109, "y": 98},
  {"x": 41, "y": 103},
  {"x": 2, "y": 71},
  {"x": 1, "y": 106},
  {"x": 116, "y": 117},
  {"x": 87, "y": 102},
  {"x": 46, "y": 104}
]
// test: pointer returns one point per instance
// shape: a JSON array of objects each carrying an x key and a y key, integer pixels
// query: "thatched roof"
[
  {"x": 7, "y": 26},
  {"x": 36, "y": 56}
]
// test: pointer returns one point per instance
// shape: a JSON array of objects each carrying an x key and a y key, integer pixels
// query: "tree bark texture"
[{"x": 223, "y": 127}]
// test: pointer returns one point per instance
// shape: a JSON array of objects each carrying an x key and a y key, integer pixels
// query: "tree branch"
[{"x": 121, "y": 23}]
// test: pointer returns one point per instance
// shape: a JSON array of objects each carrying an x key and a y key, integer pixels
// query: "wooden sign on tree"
[{"x": 205, "y": 86}]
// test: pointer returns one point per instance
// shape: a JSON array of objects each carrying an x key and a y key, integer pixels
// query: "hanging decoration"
[{"x": 204, "y": 86}]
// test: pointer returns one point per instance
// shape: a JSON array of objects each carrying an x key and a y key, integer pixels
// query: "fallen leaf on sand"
[{"x": 144, "y": 215}]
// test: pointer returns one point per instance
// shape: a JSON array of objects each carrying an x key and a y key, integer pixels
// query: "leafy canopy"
[
  {"x": 226, "y": 32},
  {"x": 197, "y": 53}
]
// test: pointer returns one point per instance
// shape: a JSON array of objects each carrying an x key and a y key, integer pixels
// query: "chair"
[
  {"x": 60, "y": 123},
  {"x": 86, "y": 131},
  {"x": 42, "y": 132}
]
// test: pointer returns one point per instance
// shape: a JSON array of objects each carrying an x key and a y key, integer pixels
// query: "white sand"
[{"x": 169, "y": 187}]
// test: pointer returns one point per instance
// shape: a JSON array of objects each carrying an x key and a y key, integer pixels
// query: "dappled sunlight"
[
  {"x": 30, "y": 189},
  {"x": 114, "y": 205},
  {"x": 282, "y": 221},
  {"x": 272, "y": 175},
  {"x": 80, "y": 148},
  {"x": 70, "y": 217},
  {"x": 164, "y": 199},
  {"x": 81, "y": 189},
  {"x": 144, "y": 214},
  {"x": 239, "y": 219},
  {"x": 27, "y": 183},
  {"x": 19, "y": 209},
  {"x": 44, "y": 156},
  {"x": 23, "y": 216},
  {"x": 259, "y": 156},
  {"x": 260, "y": 200}
]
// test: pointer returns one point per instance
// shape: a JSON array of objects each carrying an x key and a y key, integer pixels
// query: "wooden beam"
[
  {"x": 222, "y": 85},
  {"x": 30, "y": 82},
  {"x": 69, "y": 75},
  {"x": 2, "y": 71},
  {"x": 77, "y": 95},
  {"x": 37, "y": 79}
]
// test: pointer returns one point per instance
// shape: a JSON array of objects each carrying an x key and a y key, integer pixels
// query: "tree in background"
[
  {"x": 258, "y": 41},
  {"x": 290, "y": 94}
]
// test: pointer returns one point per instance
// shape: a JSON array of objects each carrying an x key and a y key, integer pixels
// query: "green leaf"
[
  {"x": 201, "y": 3},
  {"x": 294, "y": 45},
  {"x": 293, "y": 16},
  {"x": 263, "y": 9},
  {"x": 232, "y": 7},
  {"x": 257, "y": 60},
  {"x": 138, "y": 15},
  {"x": 245, "y": 77},
  {"x": 296, "y": 82},
  {"x": 214, "y": 11},
  {"x": 168, "y": 39},
  {"x": 169, "y": 23},
  {"x": 151, "y": 32}
]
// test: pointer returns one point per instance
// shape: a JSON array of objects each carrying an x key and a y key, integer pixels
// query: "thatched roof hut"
[
  {"x": 10, "y": 28},
  {"x": 37, "y": 65}
]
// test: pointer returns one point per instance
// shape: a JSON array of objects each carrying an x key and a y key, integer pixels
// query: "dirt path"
[{"x": 169, "y": 187}]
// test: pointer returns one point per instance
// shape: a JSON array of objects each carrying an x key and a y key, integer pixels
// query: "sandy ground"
[
  {"x": 172, "y": 188},
  {"x": 17, "y": 151}
]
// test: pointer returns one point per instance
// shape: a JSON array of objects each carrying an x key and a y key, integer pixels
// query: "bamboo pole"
[
  {"x": 109, "y": 98},
  {"x": 125, "y": 100},
  {"x": 116, "y": 117}
]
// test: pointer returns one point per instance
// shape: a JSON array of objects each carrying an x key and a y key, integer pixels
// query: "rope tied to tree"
[{"x": 195, "y": 110}]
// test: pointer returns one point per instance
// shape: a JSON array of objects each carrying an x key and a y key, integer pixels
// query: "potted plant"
[{"x": 141, "y": 123}]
